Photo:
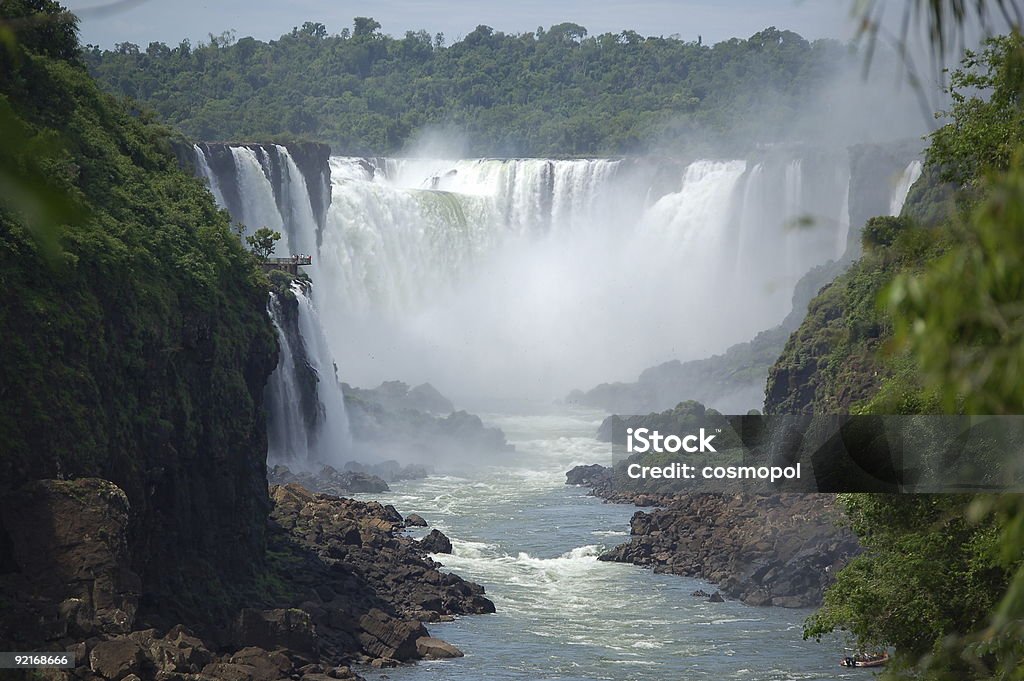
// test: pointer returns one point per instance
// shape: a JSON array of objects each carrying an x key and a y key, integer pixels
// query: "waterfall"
[
  {"x": 489, "y": 275},
  {"x": 902, "y": 188},
  {"x": 295, "y": 207},
  {"x": 258, "y": 205},
  {"x": 516, "y": 277},
  {"x": 287, "y": 430},
  {"x": 306, "y": 419},
  {"x": 206, "y": 173},
  {"x": 333, "y": 436}
]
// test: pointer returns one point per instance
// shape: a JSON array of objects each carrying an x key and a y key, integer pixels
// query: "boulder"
[
  {"x": 430, "y": 648},
  {"x": 436, "y": 542},
  {"x": 415, "y": 520},
  {"x": 289, "y": 628},
  {"x": 384, "y": 636},
  {"x": 117, "y": 658},
  {"x": 716, "y": 598},
  {"x": 266, "y": 665}
]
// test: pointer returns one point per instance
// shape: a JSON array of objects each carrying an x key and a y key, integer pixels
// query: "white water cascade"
[
  {"x": 307, "y": 422},
  {"x": 258, "y": 206},
  {"x": 902, "y": 189},
  {"x": 528, "y": 277}
]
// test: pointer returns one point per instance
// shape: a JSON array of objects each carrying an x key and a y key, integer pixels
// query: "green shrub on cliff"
[{"x": 135, "y": 344}]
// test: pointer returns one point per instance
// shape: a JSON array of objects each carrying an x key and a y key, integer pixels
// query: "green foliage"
[
  {"x": 942, "y": 578},
  {"x": 556, "y": 92},
  {"x": 833, "y": 363},
  {"x": 963, "y": 318},
  {"x": 138, "y": 349},
  {"x": 926, "y": 572},
  {"x": 41, "y": 27},
  {"x": 881, "y": 231},
  {"x": 262, "y": 241},
  {"x": 987, "y": 113}
]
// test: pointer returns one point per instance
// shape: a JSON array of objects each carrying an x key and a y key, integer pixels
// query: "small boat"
[{"x": 865, "y": 660}]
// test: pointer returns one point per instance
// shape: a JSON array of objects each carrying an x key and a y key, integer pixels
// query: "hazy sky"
[{"x": 143, "y": 21}]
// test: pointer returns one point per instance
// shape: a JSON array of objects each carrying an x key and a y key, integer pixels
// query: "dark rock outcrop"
[
  {"x": 341, "y": 583},
  {"x": 365, "y": 585},
  {"x": 436, "y": 542},
  {"x": 73, "y": 576},
  {"x": 329, "y": 480},
  {"x": 594, "y": 475},
  {"x": 778, "y": 550},
  {"x": 415, "y": 520}
]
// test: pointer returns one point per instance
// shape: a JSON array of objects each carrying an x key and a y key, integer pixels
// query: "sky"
[{"x": 106, "y": 22}]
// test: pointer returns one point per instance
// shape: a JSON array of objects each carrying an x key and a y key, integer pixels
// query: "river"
[{"x": 533, "y": 542}]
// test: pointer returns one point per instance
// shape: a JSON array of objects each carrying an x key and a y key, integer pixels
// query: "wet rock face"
[
  {"x": 780, "y": 550},
  {"x": 69, "y": 571}
]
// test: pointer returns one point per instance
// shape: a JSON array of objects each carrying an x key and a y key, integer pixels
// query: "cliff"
[
  {"x": 136, "y": 345},
  {"x": 834, "y": 362}
]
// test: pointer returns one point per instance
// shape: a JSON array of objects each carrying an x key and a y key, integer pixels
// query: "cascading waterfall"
[
  {"x": 902, "y": 189},
  {"x": 527, "y": 277},
  {"x": 287, "y": 430},
  {"x": 307, "y": 422},
  {"x": 530, "y": 275},
  {"x": 332, "y": 437},
  {"x": 258, "y": 205},
  {"x": 207, "y": 174}
]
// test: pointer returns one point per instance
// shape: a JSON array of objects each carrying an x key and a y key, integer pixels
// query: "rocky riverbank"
[
  {"x": 781, "y": 549},
  {"x": 341, "y": 585}
]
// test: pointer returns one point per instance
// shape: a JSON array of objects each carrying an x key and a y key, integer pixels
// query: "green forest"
[{"x": 553, "y": 92}]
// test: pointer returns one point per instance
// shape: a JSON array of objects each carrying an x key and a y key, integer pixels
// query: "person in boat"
[{"x": 865, "y": 660}]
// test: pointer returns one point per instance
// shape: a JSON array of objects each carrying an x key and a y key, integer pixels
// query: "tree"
[
  {"x": 987, "y": 117},
  {"x": 365, "y": 27},
  {"x": 262, "y": 242}
]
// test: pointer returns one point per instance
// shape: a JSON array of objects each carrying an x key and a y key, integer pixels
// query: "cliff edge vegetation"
[
  {"x": 135, "y": 342},
  {"x": 929, "y": 320}
]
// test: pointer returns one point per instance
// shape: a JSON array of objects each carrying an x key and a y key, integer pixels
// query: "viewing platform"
[{"x": 290, "y": 264}]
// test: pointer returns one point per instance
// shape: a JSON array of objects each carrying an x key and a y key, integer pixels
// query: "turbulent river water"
[{"x": 533, "y": 542}]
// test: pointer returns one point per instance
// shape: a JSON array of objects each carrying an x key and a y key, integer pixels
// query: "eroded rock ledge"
[
  {"x": 781, "y": 549},
  {"x": 341, "y": 585}
]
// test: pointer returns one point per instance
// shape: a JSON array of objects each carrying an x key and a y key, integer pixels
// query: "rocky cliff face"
[
  {"x": 780, "y": 549},
  {"x": 342, "y": 583},
  {"x": 135, "y": 352}
]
